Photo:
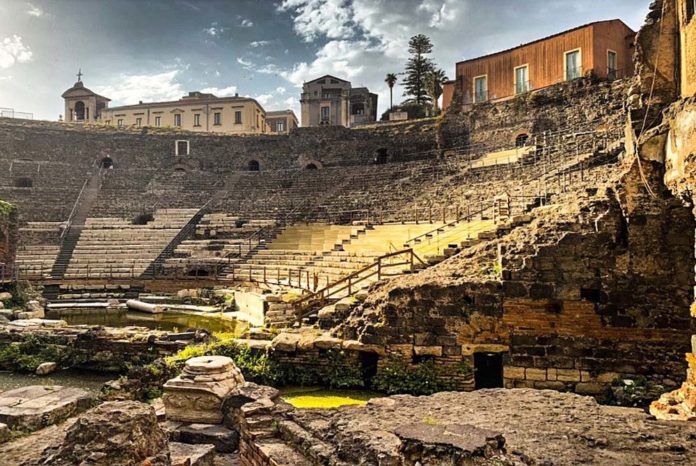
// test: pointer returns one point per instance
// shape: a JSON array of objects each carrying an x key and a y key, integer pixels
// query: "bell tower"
[{"x": 81, "y": 104}]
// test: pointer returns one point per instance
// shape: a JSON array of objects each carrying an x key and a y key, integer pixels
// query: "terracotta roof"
[{"x": 546, "y": 38}]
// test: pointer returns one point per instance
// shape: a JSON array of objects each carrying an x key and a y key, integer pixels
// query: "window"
[
  {"x": 217, "y": 118},
  {"x": 521, "y": 79},
  {"x": 108, "y": 122},
  {"x": 258, "y": 123},
  {"x": 119, "y": 123},
  {"x": 158, "y": 121},
  {"x": 254, "y": 166},
  {"x": 196, "y": 119},
  {"x": 177, "y": 119},
  {"x": 573, "y": 65},
  {"x": 325, "y": 112},
  {"x": 611, "y": 65},
  {"x": 237, "y": 118},
  {"x": 280, "y": 126},
  {"x": 181, "y": 147},
  {"x": 138, "y": 122},
  {"x": 480, "y": 89}
]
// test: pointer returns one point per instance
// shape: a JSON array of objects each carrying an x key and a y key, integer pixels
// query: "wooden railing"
[{"x": 357, "y": 280}]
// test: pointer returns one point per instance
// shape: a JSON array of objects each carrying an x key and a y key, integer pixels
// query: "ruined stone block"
[
  {"x": 511, "y": 372},
  {"x": 198, "y": 394},
  {"x": 428, "y": 350},
  {"x": 568, "y": 375},
  {"x": 535, "y": 374}
]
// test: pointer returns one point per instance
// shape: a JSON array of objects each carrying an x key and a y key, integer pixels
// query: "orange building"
[{"x": 603, "y": 49}]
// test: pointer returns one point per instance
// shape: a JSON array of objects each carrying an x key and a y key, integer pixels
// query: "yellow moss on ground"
[{"x": 307, "y": 398}]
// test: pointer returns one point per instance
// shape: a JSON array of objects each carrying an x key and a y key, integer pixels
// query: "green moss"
[
  {"x": 5, "y": 209},
  {"x": 27, "y": 354}
]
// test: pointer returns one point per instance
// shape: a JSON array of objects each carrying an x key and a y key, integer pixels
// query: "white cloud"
[
  {"x": 259, "y": 43},
  {"x": 13, "y": 51},
  {"x": 264, "y": 99},
  {"x": 316, "y": 18},
  {"x": 246, "y": 64},
  {"x": 221, "y": 91},
  {"x": 130, "y": 89},
  {"x": 246, "y": 23},
  {"x": 281, "y": 90},
  {"x": 34, "y": 10}
]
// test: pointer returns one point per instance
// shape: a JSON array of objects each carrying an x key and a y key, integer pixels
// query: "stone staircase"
[{"x": 85, "y": 201}]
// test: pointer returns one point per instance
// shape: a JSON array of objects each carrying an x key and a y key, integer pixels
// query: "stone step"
[
  {"x": 183, "y": 454},
  {"x": 223, "y": 439}
]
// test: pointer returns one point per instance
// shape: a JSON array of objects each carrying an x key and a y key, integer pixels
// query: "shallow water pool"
[{"x": 86, "y": 380}]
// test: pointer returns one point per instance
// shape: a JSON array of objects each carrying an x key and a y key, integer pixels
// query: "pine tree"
[{"x": 417, "y": 67}]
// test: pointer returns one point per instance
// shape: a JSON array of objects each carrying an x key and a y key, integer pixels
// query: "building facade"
[
  {"x": 82, "y": 104},
  {"x": 330, "y": 101},
  {"x": 281, "y": 121},
  {"x": 198, "y": 112},
  {"x": 603, "y": 49}
]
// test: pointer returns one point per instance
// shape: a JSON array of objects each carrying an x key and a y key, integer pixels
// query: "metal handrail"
[{"x": 334, "y": 288}]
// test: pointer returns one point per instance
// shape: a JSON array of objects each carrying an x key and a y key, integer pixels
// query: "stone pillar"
[{"x": 198, "y": 394}]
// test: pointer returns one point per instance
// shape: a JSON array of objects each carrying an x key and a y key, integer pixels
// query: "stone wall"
[
  {"x": 8, "y": 233},
  {"x": 593, "y": 289}
]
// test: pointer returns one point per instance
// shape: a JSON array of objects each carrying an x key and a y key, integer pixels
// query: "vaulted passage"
[{"x": 488, "y": 370}]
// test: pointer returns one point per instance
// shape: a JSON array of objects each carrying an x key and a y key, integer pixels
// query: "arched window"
[
  {"x": 79, "y": 110},
  {"x": 107, "y": 162},
  {"x": 521, "y": 140},
  {"x": 311, "y": 166},
  {"x": 24, "y": 182},
  {"x": 254, "y": 166}
]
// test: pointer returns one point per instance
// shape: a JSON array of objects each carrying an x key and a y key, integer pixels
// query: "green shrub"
[
  {"x": 27, "y": 354},
  {"x": 425, "y": 378}
]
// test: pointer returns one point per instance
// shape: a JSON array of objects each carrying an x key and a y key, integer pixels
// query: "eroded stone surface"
[
  {"x": 197, "y": 395},
  {"x": 31, "y": 408},
  {"x": 539, "y": 427},
  {"x": 114, "y": 433}
]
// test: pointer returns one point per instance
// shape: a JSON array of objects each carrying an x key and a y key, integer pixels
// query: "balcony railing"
[{"x": 10, "y": 113}]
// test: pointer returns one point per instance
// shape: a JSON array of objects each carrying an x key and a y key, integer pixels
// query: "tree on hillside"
[
  {"x": 434, "y": 81},
  {"x": 391, "y": 80},
  {"x": 417, "y": 67}
]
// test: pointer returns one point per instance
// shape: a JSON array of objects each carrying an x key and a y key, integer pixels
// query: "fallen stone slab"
[
  {"x": 183, "y": 454},
  {"x": 31, "y": 408},
  {"x": 449, "y": 443},
  {"x": 46, "y": 368},
  {"x": 223, "y": 439}
]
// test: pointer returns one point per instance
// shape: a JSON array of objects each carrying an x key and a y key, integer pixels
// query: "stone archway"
[
  {"x": 80, "y": 110},
  {"x": 254, "y": 166},
  {"x": 311, "y": 166},
  {"x": 521, "y": 139}
]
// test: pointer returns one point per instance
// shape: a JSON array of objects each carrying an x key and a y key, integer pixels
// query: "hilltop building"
[
  {"x": 281, "y": 121},
  {"x": 82, "y": 104},
  {"x": 330, "y": 101},
  {"x": 603, "y": 49},
  {"x": 198, "y": 111}
]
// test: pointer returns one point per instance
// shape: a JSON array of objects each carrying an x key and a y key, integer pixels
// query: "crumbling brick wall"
[{"x": 586, "y": 296}]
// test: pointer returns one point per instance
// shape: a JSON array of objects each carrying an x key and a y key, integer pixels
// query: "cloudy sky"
[{"x": 131, "y": 50}]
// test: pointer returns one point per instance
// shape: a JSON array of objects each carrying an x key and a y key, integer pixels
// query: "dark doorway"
[
  {"x": 488, "y": 370},
  {"x": 381, "y": 156},
  {"x": 521, "y": 140},
  {"x": 254, "y": 166},
  {"x": 24, "y": 183},
  {"x": 79, "y": 110},
  {"x": 107, "y": 162},
  {"x": 368, "y": 364},
  {"x": 310, "y": 166}
]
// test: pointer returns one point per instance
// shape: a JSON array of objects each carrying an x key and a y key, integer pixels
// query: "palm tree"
[
  {"x": 391, "y": 80},
  {"x": 434, "y": 80}
]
